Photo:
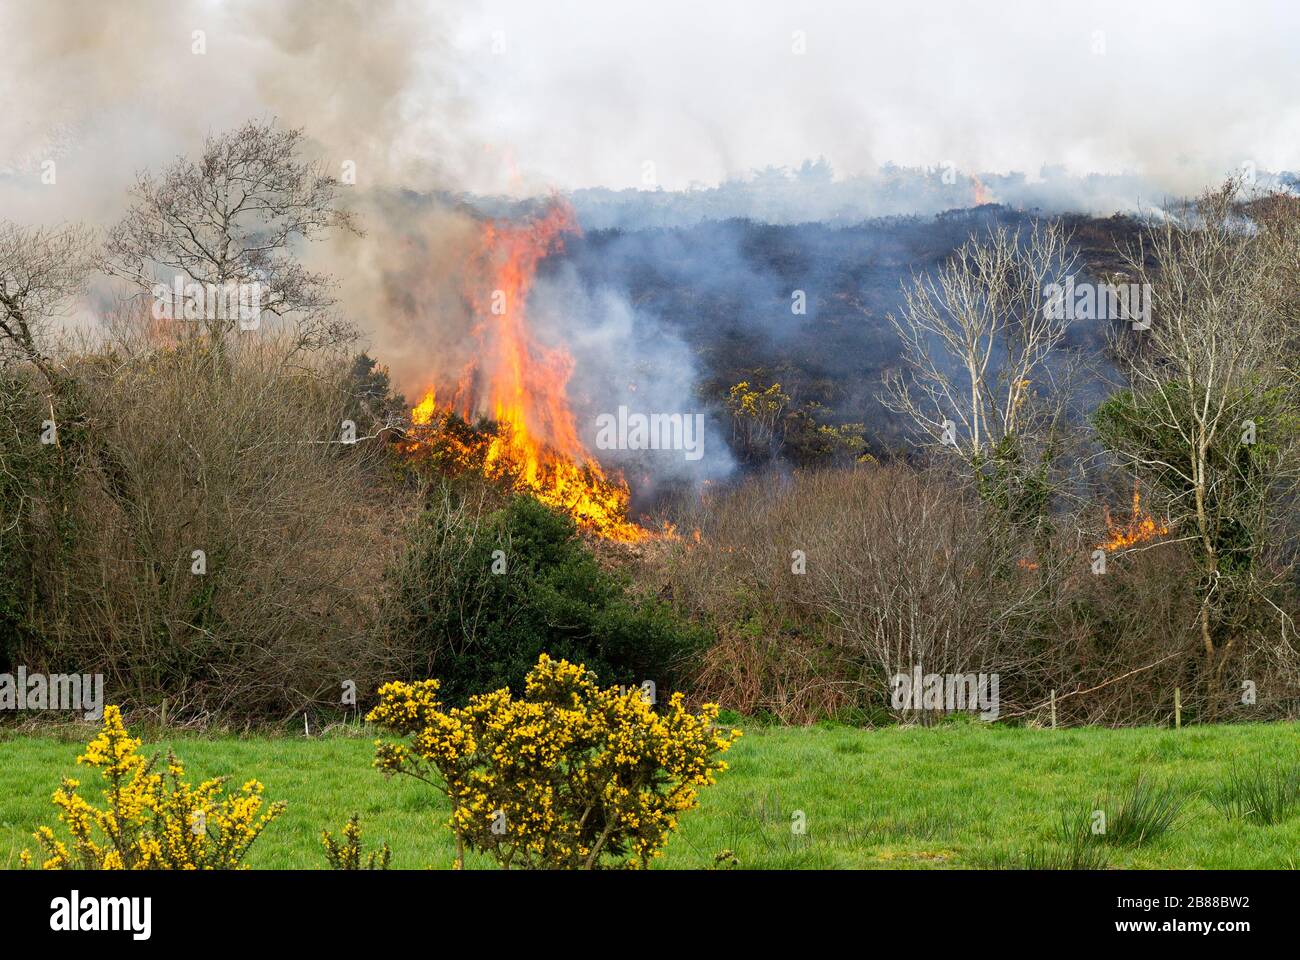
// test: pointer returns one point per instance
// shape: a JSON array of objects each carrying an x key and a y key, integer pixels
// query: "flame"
[
  {"x": 423, "y": 412},
  {"x": 522, "y": 384},
  {"x": 1140, "y": 528},
  {"x": 669, "y": 531},
  {"x": 982, "y": 195}
]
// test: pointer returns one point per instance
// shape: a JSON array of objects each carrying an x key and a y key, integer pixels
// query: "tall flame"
[
  {"x": 522, "y": 384},
  {"x": 1140, "y": 527}
]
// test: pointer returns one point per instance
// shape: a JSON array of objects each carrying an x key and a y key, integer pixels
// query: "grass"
[
  {"x": 960, "y": 795},
  {"x": 1141, "y": 813},
  {"x": 1042, "y": 856},
  {"x": 1261, "y": 793}
]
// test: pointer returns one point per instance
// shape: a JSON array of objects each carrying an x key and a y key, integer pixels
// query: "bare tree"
[
  {"x": 977, "y": 340},
  {"x": 42, "y": 270},
  {"x": 234, "y": 217},
  {"x": 1210, "y": 415}
]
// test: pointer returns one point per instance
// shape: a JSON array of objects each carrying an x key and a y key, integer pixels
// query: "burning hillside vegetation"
[{"x": 519, "y": 386}]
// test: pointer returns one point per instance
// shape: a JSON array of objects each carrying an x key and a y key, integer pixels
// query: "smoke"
[
  {"x": 404, "y": 283},
  {"x": 97, "y": 92},
  {"x": 112, "y": 87},
  {"x": 701, "y": 93},
  {"x": 633, "y": 359},
  {"x": 813, "y": 194},
  {"x": 513, "y": 96},
  {"x": 656, "y": 120}
]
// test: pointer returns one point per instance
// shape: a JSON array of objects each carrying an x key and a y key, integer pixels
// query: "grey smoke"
[
  {"x": 655, "y": 120},
  {"x": 628, "y": 357}
]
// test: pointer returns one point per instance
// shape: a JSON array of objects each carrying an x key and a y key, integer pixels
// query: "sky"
[{"x": 526, "y": 97}]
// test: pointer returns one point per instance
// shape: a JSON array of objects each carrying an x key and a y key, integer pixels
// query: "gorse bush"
[
  {"x": 571, "y": 775},
  {"x": 480, "y": 596},
  {"x": 345, "y": 853},
  {"x": 151, "y": 820}
]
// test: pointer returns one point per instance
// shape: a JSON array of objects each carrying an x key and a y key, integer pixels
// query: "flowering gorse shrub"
[
  {"x": 569, "y": 776},
  {"x": 345, "y": 853},
  {"x": 151, "y": 820}
]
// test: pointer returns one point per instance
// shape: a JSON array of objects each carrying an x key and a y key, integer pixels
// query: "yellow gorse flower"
[
  {"x": 346, "y": 853},
  {"x": 571, "y": 775},
  {"x": 151, "y": 820}
]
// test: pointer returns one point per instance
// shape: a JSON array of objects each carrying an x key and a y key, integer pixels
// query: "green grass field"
[{"x": 962, "y": 795}]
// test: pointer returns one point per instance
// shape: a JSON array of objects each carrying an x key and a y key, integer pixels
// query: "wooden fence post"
[{"x": 1178, "y": 709}]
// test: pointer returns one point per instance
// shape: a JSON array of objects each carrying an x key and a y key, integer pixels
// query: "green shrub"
[{"x": 478, "y": 598}]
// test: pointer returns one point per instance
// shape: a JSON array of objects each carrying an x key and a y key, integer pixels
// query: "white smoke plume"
[{"x": 434, "y": 100}]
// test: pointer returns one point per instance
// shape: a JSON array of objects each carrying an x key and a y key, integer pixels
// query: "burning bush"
[
  {"x": 900, "y": 567},
  {"x": 514, "y": 389},
  {"x": 480, "y": 595}
]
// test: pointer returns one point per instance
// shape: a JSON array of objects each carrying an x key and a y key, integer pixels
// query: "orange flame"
[
  {"x": 522, "y": 384},
  {"x": 982, "y": 195},
  {"x": 423, "y": 412},
  {"x": 1140, "y": 528},
  {"x": 668, "y": 531}
]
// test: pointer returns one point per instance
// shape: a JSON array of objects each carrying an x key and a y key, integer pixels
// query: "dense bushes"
[
  {"x": 207, "y": 542},
  {"x": 823, "y": 585},
  {"x": 201, "y": 536},
  {"x": 480, "y": 594},
  {"x": 25, "y": 473},
  {"x": 318, "y": 570},
  {"x": 902, "y": 566},
  {"x": 185, "y": 509}
]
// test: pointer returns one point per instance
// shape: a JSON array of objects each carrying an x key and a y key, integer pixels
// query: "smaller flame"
[
  {"x": 1140, "y": 528},
  {"x": 669, "y": 531},
  {"x": 582, "y": 490},
  {"x": 422, "y": 414}
]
